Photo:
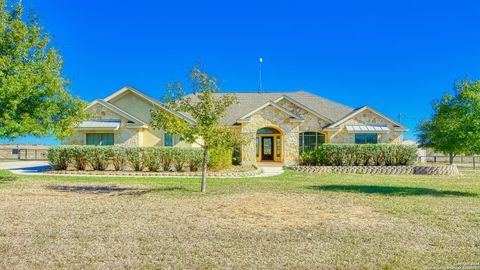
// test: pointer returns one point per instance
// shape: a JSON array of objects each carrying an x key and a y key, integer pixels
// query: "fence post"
[
  {"x": 36, "y": 154},
  {"x": 434, "y": 159},
  {"x": 474, "y": 162},
  {"x": 26, "y": 154}
]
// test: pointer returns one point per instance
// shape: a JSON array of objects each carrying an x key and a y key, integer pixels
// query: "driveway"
[{"x": 30, "y": 166}]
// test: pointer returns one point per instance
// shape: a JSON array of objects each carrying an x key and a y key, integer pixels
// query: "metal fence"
[
  {"x": 23, "y": 154},
  {"x": 461, "y": 161}
]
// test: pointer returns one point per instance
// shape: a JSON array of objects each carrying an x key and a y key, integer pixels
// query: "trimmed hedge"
[
  {"x": 360, "y": 155},
  {"x": 137, "y": 158}
]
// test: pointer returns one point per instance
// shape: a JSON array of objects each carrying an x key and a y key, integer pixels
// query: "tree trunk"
[
  {"x": 450, "y": 158},
  {"x": 204, "y": 169}
]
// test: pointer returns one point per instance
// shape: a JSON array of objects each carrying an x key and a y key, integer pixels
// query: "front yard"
[{"x": 294, "y": 221}]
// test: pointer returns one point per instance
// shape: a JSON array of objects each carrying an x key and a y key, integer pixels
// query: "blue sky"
[{"x": 396, "y": 56}]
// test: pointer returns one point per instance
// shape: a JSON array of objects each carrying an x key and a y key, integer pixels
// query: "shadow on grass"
[
  {"x": 139, "y": 192},
  {"x": 111, "y": 189},
  {"x": 393, "y": 191},
  {"x": 7, "y": 178}
]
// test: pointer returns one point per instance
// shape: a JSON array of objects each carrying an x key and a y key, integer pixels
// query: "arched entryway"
[{"x": 269, "y": 143}]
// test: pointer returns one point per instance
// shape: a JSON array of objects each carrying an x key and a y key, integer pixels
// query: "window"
[
  {"x": 278, "y": 147},
  {"x": 100, "y": 139},
  {"x": 168, "y": 139},
  {"x": 268, "y": 131},
  {"x": 310, "y": 140},
  {"x": 366, "y": 138}
]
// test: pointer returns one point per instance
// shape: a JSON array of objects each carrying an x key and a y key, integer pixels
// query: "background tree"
[
  {"x": 205, "y": 108},
  {"x": 33, "y": 98},
  {"x": 455, "y": 125}
]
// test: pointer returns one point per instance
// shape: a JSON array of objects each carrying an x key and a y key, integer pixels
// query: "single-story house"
[{"x": 277, "y": 126}]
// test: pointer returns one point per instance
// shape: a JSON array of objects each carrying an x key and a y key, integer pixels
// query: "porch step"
[{"x": 270, "y": 170}]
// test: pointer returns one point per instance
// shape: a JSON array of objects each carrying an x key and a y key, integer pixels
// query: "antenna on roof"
[{"x": 260, "y": 86}]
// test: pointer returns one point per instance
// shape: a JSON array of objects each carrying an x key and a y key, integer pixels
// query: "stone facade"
[
  {"x": 274, "y": 118},
  {"x": 281, "y": 121},
  {"x": 366, "y": 117}
]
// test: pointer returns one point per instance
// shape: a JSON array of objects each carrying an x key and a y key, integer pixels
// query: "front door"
[{"x": 267, "y": 148}]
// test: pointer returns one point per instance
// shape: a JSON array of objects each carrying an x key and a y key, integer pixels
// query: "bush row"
[
  {"x": 361, "y": 155},
  {"x": 137, "y": 158}
]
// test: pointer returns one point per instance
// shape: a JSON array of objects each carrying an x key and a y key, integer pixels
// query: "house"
[{"x": 277, "y": 126}]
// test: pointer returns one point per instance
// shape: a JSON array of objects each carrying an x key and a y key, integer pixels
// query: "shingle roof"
[{"x": 248, "y": 102}]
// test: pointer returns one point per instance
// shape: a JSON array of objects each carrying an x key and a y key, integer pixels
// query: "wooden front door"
[{"x": 267, "y": 148}]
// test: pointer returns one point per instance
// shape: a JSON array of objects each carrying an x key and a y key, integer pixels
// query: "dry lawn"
[{"x": 292, "y": 221}]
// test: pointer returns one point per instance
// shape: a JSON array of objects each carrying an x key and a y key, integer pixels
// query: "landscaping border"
[
  {"x": 254, "y": 172},
  {"x": 439, "y": 170}
]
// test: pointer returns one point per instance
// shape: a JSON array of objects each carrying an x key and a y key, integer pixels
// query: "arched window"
[
  {"x": 310, "y": 140},
  {"x": 268, "y": 131}
]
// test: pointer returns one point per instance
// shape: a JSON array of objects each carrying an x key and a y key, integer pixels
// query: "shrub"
[
  {"x": 407, "y": 155},
  {"x": 182, "y": 157},
  {"x": 167, "y": 156},
  {"x": 360, "y": 154},
  {"x": 59, "y": 157},
  {"x": 195, "y": 159},
  {"x": 79, "y": 156},
  {"x": 119, "y": 158},
  {"x": 152, "y": 159},
  {"x": 220, "y": 158},
  {"x": 136, "y": 157},
  {"x": 99, "y": 156}
]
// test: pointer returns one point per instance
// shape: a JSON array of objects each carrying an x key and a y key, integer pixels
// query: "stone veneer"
[
  {"x": 438, "y": 170},
  {"x": 275, "y": 118},
  {"x": 366, "y": 117}
]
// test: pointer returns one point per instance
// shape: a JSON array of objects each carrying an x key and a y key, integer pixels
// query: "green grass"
[{"x": 298, "y": 221}]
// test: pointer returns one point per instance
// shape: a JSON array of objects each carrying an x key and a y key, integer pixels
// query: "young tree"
[
  {"x": 204, "y": 108},
  {"x": 455, "y": 125},
  {"x": 33, "y": 98}
]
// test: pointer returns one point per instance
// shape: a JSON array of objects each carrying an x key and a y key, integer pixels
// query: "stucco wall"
[
  {"x": 152, "y": 137},
  {"x": 134, "y": 105},
  {"x": 123, "y": 136}
]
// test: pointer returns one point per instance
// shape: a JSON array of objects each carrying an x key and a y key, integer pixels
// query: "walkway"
[{"x": 270, "y": 169}]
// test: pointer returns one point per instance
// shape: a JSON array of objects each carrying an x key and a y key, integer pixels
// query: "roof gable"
[
  {"x": 362, "y": 109},
  {"x": 270, "y": 103},
  {"x": 116, "y": 110},
  {"x": 153, "y": 101},
  {"x": 300, "y": 105}
]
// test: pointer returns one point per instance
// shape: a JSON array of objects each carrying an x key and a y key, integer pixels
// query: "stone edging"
[
  {"x": 255, "y": 172},
  {"x": 450, "y": 170}
]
